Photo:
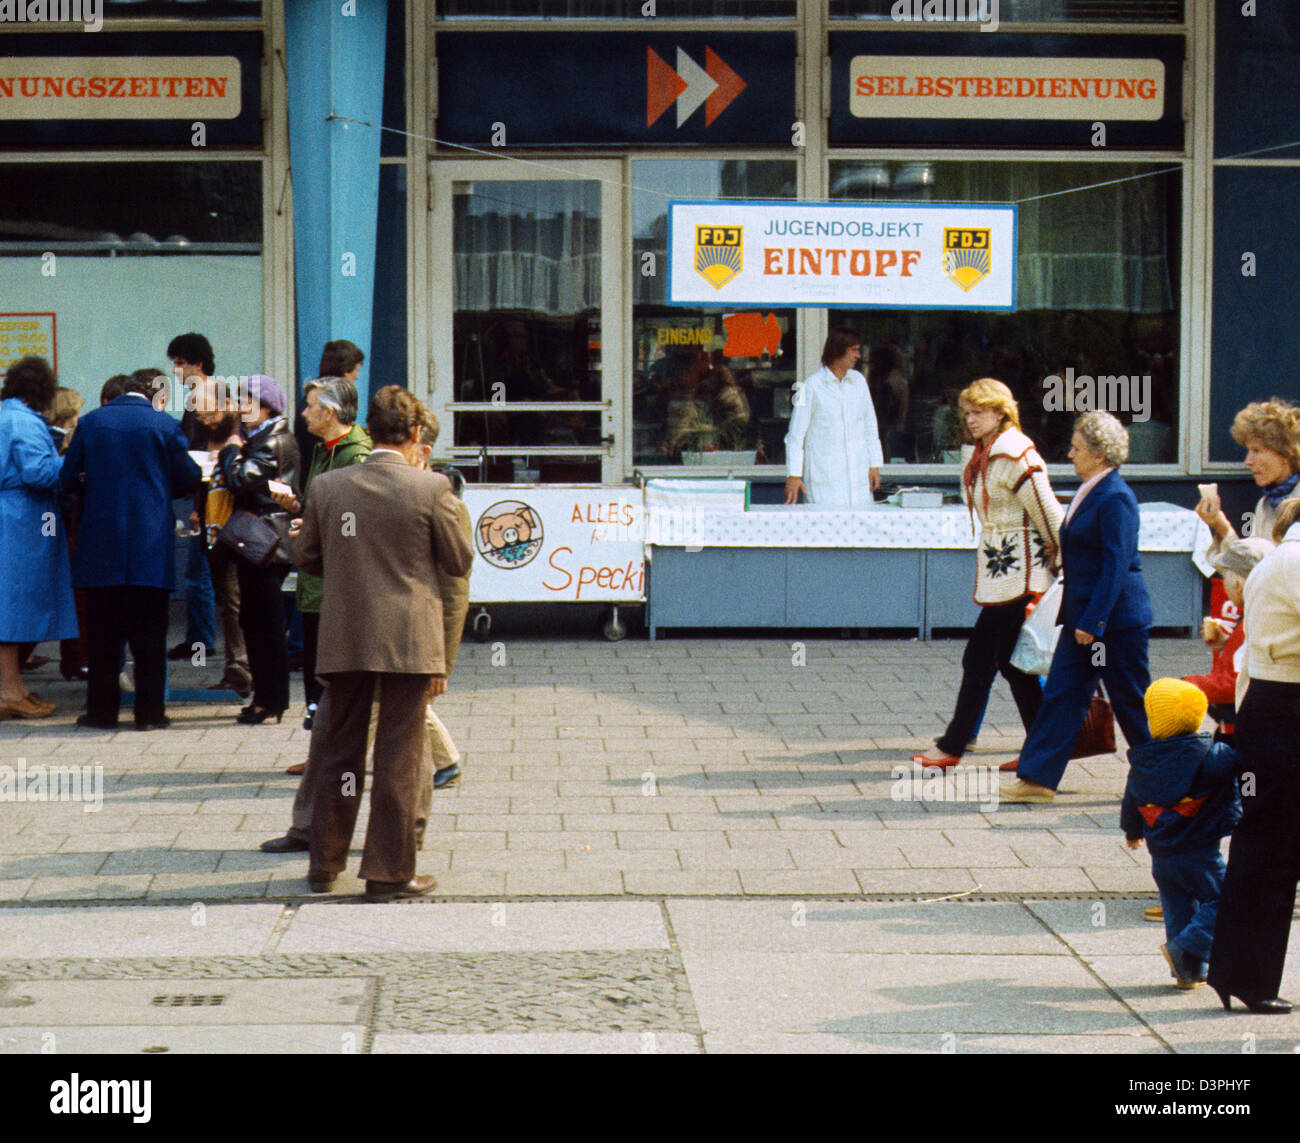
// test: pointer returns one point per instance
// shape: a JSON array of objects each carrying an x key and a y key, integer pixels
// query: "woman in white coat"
[{"x": 832, "y": 451}]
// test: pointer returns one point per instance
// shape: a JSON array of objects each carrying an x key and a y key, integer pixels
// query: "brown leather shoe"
[
  {"x": 319, "y": 881},
  {"x": 296, "y": 769},
  {"x": 392, "y": 890},
  {"x": 1012, "y": 766},
  {"x": 29, "y": 707},
  {"x": 286, "y": 844}
]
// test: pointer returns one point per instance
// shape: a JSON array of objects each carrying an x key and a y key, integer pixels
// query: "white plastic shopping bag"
[{"x": 1036, "y": 642}]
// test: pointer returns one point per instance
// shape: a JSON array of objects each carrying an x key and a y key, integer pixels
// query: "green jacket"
[{"x": 352, "y": 449}]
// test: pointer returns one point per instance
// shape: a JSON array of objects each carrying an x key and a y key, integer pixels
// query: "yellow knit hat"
[{"x": 1174, "y": 707}]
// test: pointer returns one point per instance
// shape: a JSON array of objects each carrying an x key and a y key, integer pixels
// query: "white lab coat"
[{"x": 833, "y": 439}]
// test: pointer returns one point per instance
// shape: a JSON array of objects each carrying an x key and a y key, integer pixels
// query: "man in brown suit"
[
  {"x": 440, "y": 763},
  {"x": 378, "y": 533}
]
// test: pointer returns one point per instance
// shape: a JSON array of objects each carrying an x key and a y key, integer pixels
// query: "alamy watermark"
[
  {"x": 917, "y": 783},
  {"x": 981, "y": 12},
  {"x": 1112, "y": 393},
  {"x": 88, "y": 13},
  {"x": 189, "y": 395},
  {"x": 39, "y": 783}
]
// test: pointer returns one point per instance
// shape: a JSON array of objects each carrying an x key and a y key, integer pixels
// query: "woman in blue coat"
[
  {"x": 1105, "y": 616},
  {"x": 36, "y": 603}
]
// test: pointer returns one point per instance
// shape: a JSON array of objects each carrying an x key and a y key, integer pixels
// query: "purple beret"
[{"x": 266, "y": 391}]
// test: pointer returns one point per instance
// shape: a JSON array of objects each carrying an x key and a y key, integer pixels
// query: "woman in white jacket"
[
  {"x": 832, "y": 451},
  {"x": 1005, "y": 484}
]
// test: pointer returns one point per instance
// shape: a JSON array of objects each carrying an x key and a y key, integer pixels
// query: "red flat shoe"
[
  {"x": 943, "y": 762},
  {"x": 1010, "y": 767}
]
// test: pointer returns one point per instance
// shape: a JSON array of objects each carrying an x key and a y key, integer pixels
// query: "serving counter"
[{"x": 714, "y": 561}]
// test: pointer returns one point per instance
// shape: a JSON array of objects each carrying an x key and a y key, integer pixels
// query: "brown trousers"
[
  {"x": 222, "y": 564},
  {"x": 340, "y": 766},
  {"x": 440, "y": 754}
]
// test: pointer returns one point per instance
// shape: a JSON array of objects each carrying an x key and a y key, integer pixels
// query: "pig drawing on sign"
[{"x": 509, "y": 534}]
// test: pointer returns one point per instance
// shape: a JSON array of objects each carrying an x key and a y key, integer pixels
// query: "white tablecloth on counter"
[{"x": 1164, "y": 527}]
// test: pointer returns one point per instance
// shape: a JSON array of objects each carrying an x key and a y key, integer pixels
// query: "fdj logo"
[
  {"x": 718, "y": 253},
  {"x": 966, "y": 258},
  {"x": 509, "y": 534}
]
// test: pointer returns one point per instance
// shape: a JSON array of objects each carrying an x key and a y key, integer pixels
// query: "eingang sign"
[{"x": 842, "y": 254}]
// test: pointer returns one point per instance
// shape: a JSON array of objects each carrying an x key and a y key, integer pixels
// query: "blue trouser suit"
[{"x": 1071, "y": 683}]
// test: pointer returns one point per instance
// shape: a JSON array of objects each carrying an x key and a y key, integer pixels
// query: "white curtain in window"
[
  {"x": 527, "y": 246},
  {"x": 1101, "y": 248}
]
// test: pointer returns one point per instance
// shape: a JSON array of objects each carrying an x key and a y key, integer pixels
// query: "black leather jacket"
[{"x": 269, "y": 453}]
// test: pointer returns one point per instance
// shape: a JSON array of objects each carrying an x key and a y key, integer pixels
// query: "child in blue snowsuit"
[{"x": 1182, "y": 797}]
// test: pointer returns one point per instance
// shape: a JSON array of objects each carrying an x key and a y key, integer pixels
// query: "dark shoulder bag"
[{"x": 251, "y": 537}]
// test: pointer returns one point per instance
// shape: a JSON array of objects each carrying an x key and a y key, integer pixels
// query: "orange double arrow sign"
[{"x": 715, "y": 85}]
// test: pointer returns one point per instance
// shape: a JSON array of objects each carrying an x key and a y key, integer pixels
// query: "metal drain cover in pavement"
[{"x": 86, "y": 1003}]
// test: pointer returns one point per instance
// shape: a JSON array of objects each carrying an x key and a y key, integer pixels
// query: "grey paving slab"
[
  {"x": 1100, "y": 927},
  {"x": 120, "y": 887},
  {"x": 496, "y": 927},
  {"x": 946, "y": 1044},
  {"x": 156, "y": 931},
  {"x": 184, "y": 1002},
  {"x": 876, "y": 927},
  {"x": 240, "y": 1039},
  {"x": 1195, "y": 1021},
  {"x": 913, "y": 993},
  {"x": 539, "y": 1043}
]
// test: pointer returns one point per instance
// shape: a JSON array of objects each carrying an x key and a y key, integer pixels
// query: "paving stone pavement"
[{"x": 701, "y": 844}]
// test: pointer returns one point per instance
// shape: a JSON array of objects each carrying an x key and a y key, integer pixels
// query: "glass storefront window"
[
  {"x": 392, "y": 144},
  {"x": 186, "y": 9},
  {"x": 614, "y": 9},
  {"x": 1098, "y": 299},
  {"x": 128, "y": 255},
  {"x": 710, "y": 386},
  {"x": 1030, "y": 11},
  {"x": 526, "y": 319},
  {"x": 386, "y": 356}
]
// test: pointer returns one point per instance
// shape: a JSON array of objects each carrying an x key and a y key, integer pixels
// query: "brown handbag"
[{"x": 1098, "y": 733}]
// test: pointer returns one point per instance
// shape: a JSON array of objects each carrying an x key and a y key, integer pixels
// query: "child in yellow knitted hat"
[{"x": 1182, "y": 797}]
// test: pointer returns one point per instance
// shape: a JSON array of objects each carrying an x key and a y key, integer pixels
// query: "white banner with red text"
[{"x": 841, "y": 254}]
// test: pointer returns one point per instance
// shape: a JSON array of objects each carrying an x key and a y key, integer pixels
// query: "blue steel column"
[{"x": 335, "y": 63}]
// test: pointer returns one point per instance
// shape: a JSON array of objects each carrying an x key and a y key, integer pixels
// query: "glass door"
[{"x": 526, "y": 285}]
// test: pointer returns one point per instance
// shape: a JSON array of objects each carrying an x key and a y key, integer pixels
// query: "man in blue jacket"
[
  {"x": 1182, "y": 796},
  {"x": 131, "y": 461}
]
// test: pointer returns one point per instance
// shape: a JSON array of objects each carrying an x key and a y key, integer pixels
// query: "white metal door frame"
[{"x": 615, "y": 456}]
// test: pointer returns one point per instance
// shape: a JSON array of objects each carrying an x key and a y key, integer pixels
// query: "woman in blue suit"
[
  {"x": 36, "y": 597},
  {"x": 1105, "y": 615}
]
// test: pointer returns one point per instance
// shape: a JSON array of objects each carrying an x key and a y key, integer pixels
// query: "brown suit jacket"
[
  {"x": 378, "y": 533},
  {"x": 454, "y": 590}
]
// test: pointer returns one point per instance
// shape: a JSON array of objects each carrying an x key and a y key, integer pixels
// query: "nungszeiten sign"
[
  {"x": 980, "y": 87},
  {"x": 120, "y": 87},
  {"x": 895, "y": 256}
]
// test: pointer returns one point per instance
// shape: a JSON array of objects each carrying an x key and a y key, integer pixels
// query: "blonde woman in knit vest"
[{"x": 1005, "y": 486}]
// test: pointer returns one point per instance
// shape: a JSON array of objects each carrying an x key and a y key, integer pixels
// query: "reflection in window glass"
[
  {"x": 132, "y": 205},
  {"x": 710, "y": 386},
  {"x": 614, "y": 9},
  {"x": 386, "y": 357},
  {"x": 526, "y": 317},
  {"x": 189, "y": 9},
  {"x": 392, "y": 144},
  {"x": 1027, "y": 11},
  {"x": 1097, "y": 297}
]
